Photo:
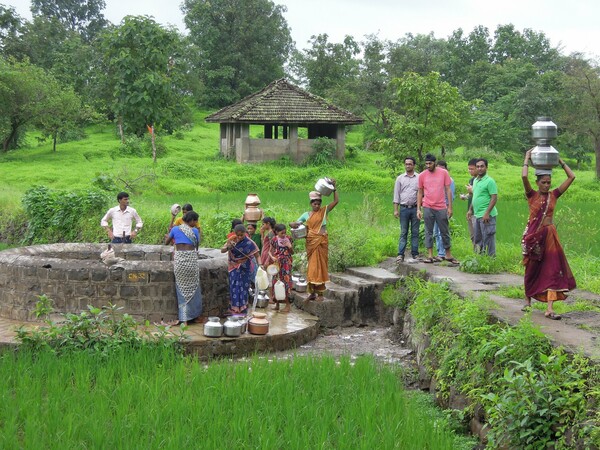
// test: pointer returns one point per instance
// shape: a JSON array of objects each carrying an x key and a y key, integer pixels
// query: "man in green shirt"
[{"x": 483, "y": 207}]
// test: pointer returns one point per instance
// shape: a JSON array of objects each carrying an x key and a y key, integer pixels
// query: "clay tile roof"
[{"x": 282, "y": 102}]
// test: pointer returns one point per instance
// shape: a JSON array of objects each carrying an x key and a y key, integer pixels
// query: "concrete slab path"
[{"x": 578, "y": 331}]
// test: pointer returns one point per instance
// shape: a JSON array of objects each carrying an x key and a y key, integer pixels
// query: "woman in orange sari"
[
  {"x": 548, "y": 276},
  {"x": 317, "y": 243}
]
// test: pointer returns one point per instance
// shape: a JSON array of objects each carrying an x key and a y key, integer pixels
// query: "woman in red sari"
[
  {"x": 317, "y": 243},
  {"x": 548, "y": 276}
]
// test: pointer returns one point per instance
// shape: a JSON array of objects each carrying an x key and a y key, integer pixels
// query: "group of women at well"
[{"x": 246, "y": 252}]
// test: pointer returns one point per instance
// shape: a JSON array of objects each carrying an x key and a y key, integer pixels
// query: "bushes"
[
  {"x": 60, "y": 216},
  {"x": 532, "y": 394}
]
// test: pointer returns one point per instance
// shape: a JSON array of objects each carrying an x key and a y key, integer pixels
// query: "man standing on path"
[
  {"x": 122, "y": 217},
  {"x": 434, "y": 189},
  {"x": 441, "y": 251},
  {"x": 405, "y": 208},
  {"x": 483, "y": 207},
  {"x": 469, "y": 197}
]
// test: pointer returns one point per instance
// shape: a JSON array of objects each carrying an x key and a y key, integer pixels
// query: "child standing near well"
[{"x": 281, "y": 251}]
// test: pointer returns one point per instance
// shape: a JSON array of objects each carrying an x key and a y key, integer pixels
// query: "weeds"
[{"x": 97, "y": 330}]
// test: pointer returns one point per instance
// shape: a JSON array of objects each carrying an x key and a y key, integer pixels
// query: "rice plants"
[{"x": 154, "y": 398}]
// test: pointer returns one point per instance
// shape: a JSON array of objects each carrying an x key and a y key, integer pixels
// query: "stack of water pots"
[{"x": 543, "y": 155}]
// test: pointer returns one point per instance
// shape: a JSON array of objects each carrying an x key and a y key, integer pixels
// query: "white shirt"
[
  {"x": 121, "y": 220},
  {"x": 406, "y": 188}
]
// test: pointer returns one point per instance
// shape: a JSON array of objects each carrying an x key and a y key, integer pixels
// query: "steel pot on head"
[
  {"x": 544, "y": 157},
  {"x": 324, "y": 186}
]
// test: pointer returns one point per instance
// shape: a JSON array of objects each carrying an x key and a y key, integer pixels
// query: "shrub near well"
[{"x": 532, "y": 394}]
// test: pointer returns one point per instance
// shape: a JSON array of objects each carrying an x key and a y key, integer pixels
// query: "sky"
[{"x": 572, "y": 25}]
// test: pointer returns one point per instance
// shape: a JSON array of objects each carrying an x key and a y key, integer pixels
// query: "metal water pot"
[
  {"x": 213, "y": 327},
  {"x": 232, "y": 327},
  {"x": 324, "y": 186},
  {"x": 253, "y": 213},
  {"x": 544, "y": 157},
  {"x": 544, "y": 128},
  {"x": 252, "y": 199},
  {"x": 295, "y": 278},
  {"x": 300, "y": 232},
  {"x": 258, "y": 324},
  {"x": 301, "y": 285},
  {"x": 262, "y": 300}
]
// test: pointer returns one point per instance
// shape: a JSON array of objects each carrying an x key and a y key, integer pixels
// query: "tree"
[
  {"x": 82, "y": 16},
  {"x": 427, "y": 114},
  {"x": 10, "y": 26},
  {"x": 421, "y": 53},
  {"x": 144, "y": 75},
  {"x": 580, "y": 112},
  {"x": 63, "y": 111},
  {"x": 28, "y": 95},
  {"x": 327, "y": 66},
  {"x": 242, "y": 46}
]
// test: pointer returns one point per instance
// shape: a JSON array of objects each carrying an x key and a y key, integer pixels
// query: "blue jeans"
[
  {"x": 409, "y": 216},
  {"x": 121, "y": 240},
  {"x": 441, "y": 251}
]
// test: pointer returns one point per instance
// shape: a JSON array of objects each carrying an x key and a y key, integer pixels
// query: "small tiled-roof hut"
[{"x": 281, "y": 109}]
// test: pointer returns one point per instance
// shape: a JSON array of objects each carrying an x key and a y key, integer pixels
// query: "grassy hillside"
[{"x": 189, "y": 169}]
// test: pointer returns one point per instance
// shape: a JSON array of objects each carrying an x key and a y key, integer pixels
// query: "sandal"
[
  {"x": 553, "y": 316},
  {"x": 453, "y": 261},
  {"x": 428, "y": 260},
  {"x": 438, "y": 259},
  {"x": 311, "y": 297},
  {"x": 526, "y": 308}
]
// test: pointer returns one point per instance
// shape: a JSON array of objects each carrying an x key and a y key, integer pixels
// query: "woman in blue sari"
[
  {"x": 241, "y": 264},
  {"x": 187, "y": 273}
]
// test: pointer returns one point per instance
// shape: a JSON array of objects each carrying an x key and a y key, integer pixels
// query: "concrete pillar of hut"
[
  {"x": 230, "y": 132},
  {"x": 243, "y": 152},
  {"x": 223, "y": 139},
  {"x": 293, "y": 141},
  {"x": 341, "y": 142}
]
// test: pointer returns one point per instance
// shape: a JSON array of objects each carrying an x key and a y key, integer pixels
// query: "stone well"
[{"x": 73, "y": 276}]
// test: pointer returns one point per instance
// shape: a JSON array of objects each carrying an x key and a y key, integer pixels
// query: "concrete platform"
[{"x": 286, "y": 331}]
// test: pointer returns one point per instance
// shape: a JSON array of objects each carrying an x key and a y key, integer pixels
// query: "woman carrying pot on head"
[
  {"x": 187, "y": 274},
  {"x": 548, "y": 276},
  {"x": 241, "y": 265},
  {"x": 317, "y": 242}
]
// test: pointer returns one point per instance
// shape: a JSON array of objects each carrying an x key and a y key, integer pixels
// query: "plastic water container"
[{"x": 280, "y": 291}]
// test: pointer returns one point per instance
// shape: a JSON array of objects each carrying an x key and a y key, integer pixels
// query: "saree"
[
  {"x": 317, "y": 252},
  {"x": 187, "y": 280},
  {"x": 283, "y": 255},
  {"x": 241, "y": 266},
  {"x": 548, "y": 276},
  {"x": 265, "y": 259}
]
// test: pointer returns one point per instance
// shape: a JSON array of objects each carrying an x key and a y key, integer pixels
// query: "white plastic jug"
[
  {"x": 280, "y": 291},
  {"x": 262, "y": 280}
]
